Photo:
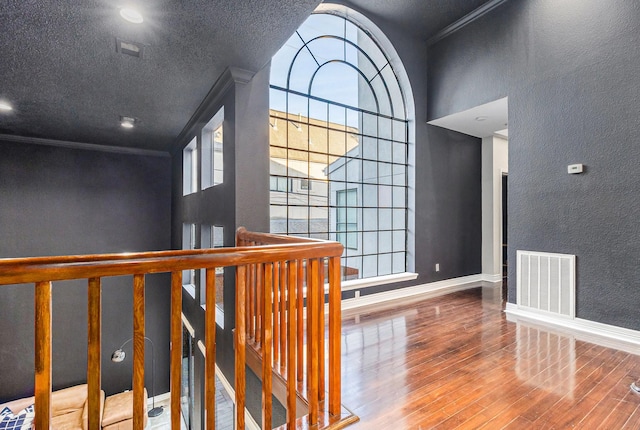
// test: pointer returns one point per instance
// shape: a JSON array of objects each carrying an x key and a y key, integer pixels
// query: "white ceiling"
[{"x": 481, "y": 121}]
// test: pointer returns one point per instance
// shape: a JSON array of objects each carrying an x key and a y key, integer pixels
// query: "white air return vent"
[
  {"x": 133, "y": 49},
  {"x": 546, "y": 282}
]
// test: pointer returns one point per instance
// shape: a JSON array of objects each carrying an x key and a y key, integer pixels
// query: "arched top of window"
[{"x": 333, "y": 59}]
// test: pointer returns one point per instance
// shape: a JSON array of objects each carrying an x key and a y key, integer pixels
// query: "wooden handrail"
[{"x": 272, "y": 272}]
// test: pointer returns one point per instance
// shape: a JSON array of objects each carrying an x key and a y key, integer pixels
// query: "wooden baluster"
[
  {"x": 138, "y": 352},
  {"x": 335, "y": 335},
  {"x": 259, "y": 302},
  {"x": 267, "y": 339},
  {"x": 241, "y": 342},
  {"x": 312, "y": 340},
  {"x": 210, "y": 347},
  {"x": 291, "y": 346},
  {"x": 321, "y": 337},
  {"x": 276, "y": 313},
  {"x": 176, "y": 348},
  {"x": 300, "y": 317},
  {"x": 251, "y": 314},
  {"x": 43, "y": 354},
  {"x": 94, "y": 333},
  {"x": 283, "y": 315}
]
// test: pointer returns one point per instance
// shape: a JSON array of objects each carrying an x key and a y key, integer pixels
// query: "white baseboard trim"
[
  {"x": 606, "y": 335},
  {"x": 431, "y": 289},
  {"x": 491, "y": 278}
]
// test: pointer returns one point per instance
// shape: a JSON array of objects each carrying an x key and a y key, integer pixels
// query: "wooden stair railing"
[
  {"x": 260, "y": 267},
  {"x": 278, "y": 294}
]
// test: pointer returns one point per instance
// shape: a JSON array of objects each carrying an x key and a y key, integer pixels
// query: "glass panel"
[
  {"x": 318, "y": 139},
  {"x": 384, "y": 240},
  {"x": 277, "y": 102},
  {"x": 399, "y": 153},
  {"x": 370, "y": 242},
  {"x": 337, "y": 117},
  {"x": 394, "y": 90},
  {"x": 369, "y": 266},
  {"x": 301, "y": 71},
  {"x": 339, "y": 83},
  {"x": 337, "y": 142},
  {"x": 297, "y": 135},
  {"x": 399, "y": 131},
  {"x": 298, "y": 219},
  {"x": 297, "y": 108},
  {"x": 384, "y": 196},
  {"x": 278, "y": 218},
  {"x": 399, "y": 174},
  {"x": 353, "y": 120},
  {"x": 369, "y": 46},
  {"x": 384, "y": 264},
  {"x": 384, "y": 173},
  {"x": 399, "y": 262},
  {"x": 298, "y": 164},
  {"x": 370, "y": 219},
  {"x": 282, "y": 60},
  {"x": 327, "y": 49},
  {"x": 318, "y": 112},
  {"x": 319, "y": 219},
  {"x": 399, "y": 240},
  {"x": 399, "y": 197},
  {"x": 384, "y": 150},
  {"x": 384, "y": 103},
  {"x": 369, "y": 148},
  {"x": 369, "y": 124},
  {"x": 384, "y": 129},
  {"x": 399, "y": 216},
  {"x": 354, "y": 167},
  {"x": 384, "y": 220},
  {"x": 369, "y": 172},
  {"x": 370, "y": 195}
]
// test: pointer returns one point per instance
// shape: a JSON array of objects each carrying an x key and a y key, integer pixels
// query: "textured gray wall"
[
  {"x": 571, "y": 75},
  {"x": 59, "y": 201}
]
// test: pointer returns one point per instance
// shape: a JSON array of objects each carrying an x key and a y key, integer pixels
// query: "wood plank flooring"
[{"x": 454, "y": 362}]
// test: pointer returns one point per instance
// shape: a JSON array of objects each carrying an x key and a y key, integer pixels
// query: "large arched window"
[{"x": 339, "y": 145}]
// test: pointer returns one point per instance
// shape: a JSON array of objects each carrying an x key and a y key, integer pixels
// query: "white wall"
[{"x": 494, "y": 164}]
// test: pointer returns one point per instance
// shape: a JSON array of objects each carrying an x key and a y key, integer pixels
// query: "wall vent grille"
[{"x": 546, "y": 282}]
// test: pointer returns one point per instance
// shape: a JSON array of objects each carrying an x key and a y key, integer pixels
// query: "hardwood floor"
[{"x": 454, "y": 362}]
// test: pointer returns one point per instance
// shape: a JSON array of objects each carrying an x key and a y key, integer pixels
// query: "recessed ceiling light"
[
  {"x": 5, "y": 107},
  {"x": 127, "y": 122},
  {"x": 131, "y": 15},
  {"x": 481, "y": 118}
]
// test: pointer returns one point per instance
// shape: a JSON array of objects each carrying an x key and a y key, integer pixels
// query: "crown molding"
[
  {"x": 82, "y": 145},
  {"x": 465, "y": 20}
]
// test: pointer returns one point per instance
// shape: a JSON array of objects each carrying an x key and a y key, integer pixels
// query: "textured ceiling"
[{"x": 60, "y": 69}]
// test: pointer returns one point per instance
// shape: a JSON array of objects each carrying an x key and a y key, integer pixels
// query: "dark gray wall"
[
  {"x": 448, "y": 209},
  {"x": 61, "y": 201},
  {"x": 571, "y": 75}
]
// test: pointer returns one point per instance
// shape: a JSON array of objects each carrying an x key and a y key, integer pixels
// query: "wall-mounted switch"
[
  {"x": 573, "y": 169},
  {"x": 437, "y": 267}
]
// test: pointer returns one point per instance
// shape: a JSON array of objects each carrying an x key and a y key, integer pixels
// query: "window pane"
[
  {"x": 338, "y": 167},
  {"x": 384, "y": 241},
  {"x": 282, "y": 60},
  {"x": 399, "y": 262}
]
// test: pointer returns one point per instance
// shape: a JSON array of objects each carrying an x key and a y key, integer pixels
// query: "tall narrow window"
[
  {"x": 189, "y": 242},
  {"x": 212, "y": 236},
  {"x": 190, "y": 168},
  {"x": 212, "y": 151},
  {"x": 339, "y": 145}
]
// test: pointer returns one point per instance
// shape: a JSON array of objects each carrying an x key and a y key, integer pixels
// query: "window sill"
[
  {"x": 358, "y": 284},
  {"x": 191, "y": 289}
]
